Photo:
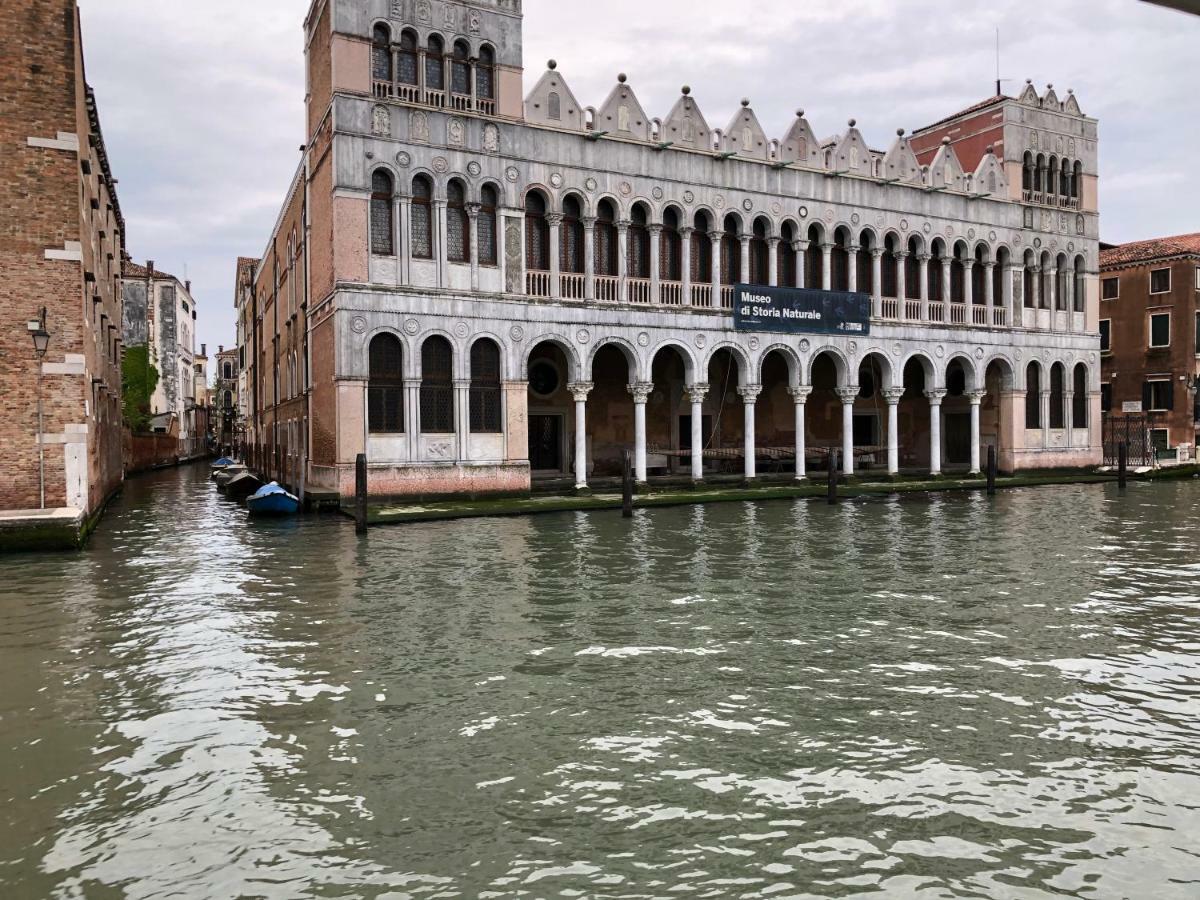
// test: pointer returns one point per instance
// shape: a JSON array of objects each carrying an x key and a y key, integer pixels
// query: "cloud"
[{"x": 202, "y": 105}]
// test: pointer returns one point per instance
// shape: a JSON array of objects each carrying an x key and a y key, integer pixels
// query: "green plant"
[{"x": 139, "y": 378}]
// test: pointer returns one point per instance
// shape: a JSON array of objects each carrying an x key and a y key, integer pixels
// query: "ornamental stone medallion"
[
  {"x": 897, "y": 350},
  {"x": 689, "y": 197},
  {"x": 719, "y": 202},
  {"x": 803, "y": 212},
  {"x": 473, "y": 168},
  {"x": 461, "y": 329},
  {"x": 904, "y": 224},
  {"x": 556, "y": 181},
  {"x": 658, "y": 193},
  {"x": 411, "y": 327},
  {"x": 939, "y": 351},
  {"x": 512, "y": 174},
  {"x": 701, "y": 342},
  {"x": 855, "y": 219},
  {"x": 747, "y": 204},
  {"x": 403, "y": 160},
  {"x": 643, "y": 339},
  {"x": 805, "y": 345},
  {"x": 979, "y": 353},
  {"x": 591, "y": 184},
  {"x": 517, "y": 333},
  {"x": 359, "y": 325},
  {"x": 491, "y": 138},
  {"x": 583, "y": 335},
  {"x": 777, "y": 207},
  {"x": 754, "y": 344},
  {"x": 625, "y": 188},
  {"x": 441, "y": 165}
]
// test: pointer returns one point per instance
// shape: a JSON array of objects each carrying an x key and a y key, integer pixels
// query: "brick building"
[
  {"x": 61, "y": 245},
  {"x": 1150, "y": 338},
  {"x": 505, "y": 284},
  {"x": 226, "y": 417}
]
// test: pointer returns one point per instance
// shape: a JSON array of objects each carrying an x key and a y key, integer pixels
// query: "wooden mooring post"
[
  {"x": 991, "y": 472},
  {"x": 627, "y": 487},
  {"x": 1122, "y": 464},
  {"x": 833, "y": 477},
  {"x": 360, "y": 494}
]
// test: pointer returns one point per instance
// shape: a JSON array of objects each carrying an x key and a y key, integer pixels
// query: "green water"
[{"x": 937, "y": 696}]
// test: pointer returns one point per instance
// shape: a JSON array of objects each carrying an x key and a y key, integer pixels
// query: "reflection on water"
[{"x": 938, "y": 696}]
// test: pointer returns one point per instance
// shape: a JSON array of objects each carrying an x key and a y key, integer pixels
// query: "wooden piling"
[
  {"x": 360, "y": 494},
  {"x": 991, "y": 472},
  {"x": 1123, "y": 464},
  {"x": 833, "y": 477},
  {"x": 627, "y": 487}
]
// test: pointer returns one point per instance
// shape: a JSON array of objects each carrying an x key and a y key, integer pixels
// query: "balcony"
[
  {"x": 608, "y": 288},
  {"x": 436, "y": 99}
]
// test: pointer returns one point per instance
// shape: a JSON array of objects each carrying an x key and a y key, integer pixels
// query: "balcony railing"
[
  {"x": 912, "y": 310},
  {"x": 639, "y": 290},
  {"x": 671, "y": 293},
  {"x": 608, "y": 288},
  {"x": 726, "y": 297},
  {"x": 411, "y": 93},
  {"x": 937, "y": 312},
  {"x": 702, "y": 296},
  {"x": 979, "y": 314},
  {"x": 537, "y": 284},
  {"x": 958, "y": 314},
  {"x": 999, "y": 316},
  {"x": 574, "y": 286},
  {"x": 891, "y": 308}
]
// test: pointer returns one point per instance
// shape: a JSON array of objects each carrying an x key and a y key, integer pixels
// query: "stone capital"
[
  {"x": 893, "y": 395},
  {"x": 801, "y": 393},
  {"x": 976, "y": 397},
  {"x": 716, "y": 235},
  {"x": 773, "y": 241},
  {"x": 802, "y": 246},
  {"x": 580, "y": 390},
  {"x": 462, "y": 384},
  {"x": 848, "y": 394},
  {"x": 655, "y": 228},
  {"x": 750, "y": 393},
  {"x": 686, "y": 231},
  {"x": 473, "y": 210},
  {"x": 623, "y": 226},
  {"x": 745, "y": 237},
  {"x": 924, "y": 258},
  {"x": 901, "y": 254},
  {"x": 935, "y": 397},
  {"x": 640, "y": 391},
  {"x": 876, "y": 253},
  {"x": 412, "y": 383},
  {"x": 697, "y": 392},
  {"x": 590, "y": 221},
  {"x": 854, "y": 248},
  {"x": 554, "y": 219}
]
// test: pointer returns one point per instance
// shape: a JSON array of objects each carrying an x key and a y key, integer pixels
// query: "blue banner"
[{"x": 796, "y": 311}]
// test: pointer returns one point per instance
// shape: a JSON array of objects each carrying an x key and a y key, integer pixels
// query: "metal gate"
[{"x": 1132, "y": 430}]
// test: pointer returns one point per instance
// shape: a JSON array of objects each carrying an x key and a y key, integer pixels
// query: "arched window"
[
  {"x": 458, "y": 228},
  {"x": 383, "y": 236},
  {"x": 889, "y": 270},
  {"x": 381, "y": 54},
  {"x": 670, "y": 254},
  {"x": 228, "y": 400},
  {"x": 1077, "y": 180},
  {"x": 408, "y": 58},
  {"x": 537, "y": 233},
  {"x": 1079, "y": 399},
  {"x": 958, "y": 278},
  {"x": 865, "y": 280},
  {"x": 701, "y": 261},
  {"x": 731, "y": 252},
  {"x": 487, "y": 226},
  {"x": 639, "y": 244},
  {"x": 437, "y": 386},
  {"x": 937, "y": 290},
  {"x": 1052, "y": 178},
  {"x": 485, "y": 74},
  {"x": 227, "y": 371},
  {"x": 435, "y": 64},
  {"x": 460, "y": 69},
  {"x": 385, "y": 385},
  {"x": 787, "y": 255},
  {"x": 979, "y": 279},
  {"x": 422, "y": 218},
  {"x": 912, "y": 270},
  {"x": 1033, "y": 396},
  {"x": 555, "y": 105},
  {"x": 1039, "y": 174},
  {"x": 570, "y": 237},
  {"x": 759, "y": 260},
  {"x": 1058, "y": 409},
  {"x": 1065, "y": 179},
  {"x": 485, "y": 387},
  {"x": 1080, "y": 299},
  {"x": 840, "y": 261},
  {"x": 1027, "y": 172},
  {"x": 606, "y": 239},
  {"x": 814, "y": 259}
]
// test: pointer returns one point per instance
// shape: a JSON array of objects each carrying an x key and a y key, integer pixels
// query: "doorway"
[{"x": 545, "y": 443}]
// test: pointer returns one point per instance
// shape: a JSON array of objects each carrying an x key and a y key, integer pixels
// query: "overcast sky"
[{"x": 202, "y": 104}]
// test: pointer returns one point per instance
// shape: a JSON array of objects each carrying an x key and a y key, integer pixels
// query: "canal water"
[{"x": 932, "y": 696}]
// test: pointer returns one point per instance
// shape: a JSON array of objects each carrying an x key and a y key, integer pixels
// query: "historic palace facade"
[{"x": 502, "y": 286}]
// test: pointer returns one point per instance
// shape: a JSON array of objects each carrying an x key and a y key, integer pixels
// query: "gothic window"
[
  {"x": 759, "y": 264},
  {"x": 814, "y": 259},
  {"x": 485, "y": 387},
  {"x": 1079, "y": 401},
  {"x": 437, "y": 387},
  {"x": 385, "y": 386},
  {"x": 1077, "y": 180},
  {"x": 1058, "y": 409},
  {"x": 639, "y": 244},
  {"x": 435, "y": 68},
  {"x": 382, "y": 222},
  {"x": 606, "y": 240},
  {"x": 670, "y": 249},
  {"x": 408, "y": 58},
  {"x": 1027, "y": 287},
  {"x": 381, "y": 54},
  {"x": 1033, "y": 396},
  {"x": 487, "y": 226},
  {"x": 571, "y": 237},
  {"x": 460, "y": 69},
  {"x": 537, "y": 233},
  {"x": 701, "y": 251},
  {"x": 422, "y": 218},
  {"x": 555, "y": 105},
  {"x": 458, "y": 229},
  {"x": 840, "y": 261},
  {"x": 731, "y": 252},
  {"x": 889, "y": 270},
  {"x": 912, "y": 271},
  {"x": 787, "y": 255},
  {"x": 485, "y": 78},
  {"x": 865, "y": 282}
]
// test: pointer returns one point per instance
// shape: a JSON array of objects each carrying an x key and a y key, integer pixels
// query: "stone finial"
[
  {"x": 1029, "y": 81},
  {"x": 745, "y": 101},
  {"x": 946, "y": 142},
  {"x": 553, "y": 64},
  {"x": 991, "y": 150},
  {"x": 622, "y": 78},
  {"x": 687, "y": 89},
  {"x": 853, "y": 122},
  {"x": 1070, "y": 90},
  {"x": 799, "y": 114},
  {"x": 1049, "y": 87},
  {"x": 899, "y": 132}
]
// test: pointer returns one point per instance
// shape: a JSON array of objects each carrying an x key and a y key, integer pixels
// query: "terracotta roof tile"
[
  {"x": 1145, "y": 251},
  {"x": 981, "y": 105},
  {"x": 130, "y": 269}
]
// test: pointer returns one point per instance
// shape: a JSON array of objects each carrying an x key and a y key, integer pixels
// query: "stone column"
[
  {"x": 1007, "y": 296},
  {"x": 901, "y": 281},
  {"x": 1045, "y": 401},
  {"x": 773, "y": 262},
  {"x": 462, "y": 417},
  {"x": 947, "y": 287},
  {"x": 696, "y": 394},
  {"x": 685, "y": 264},
  {"x": 1069, "y": 416},
  {"x": 589, "y": 258},
  {"x": 827, "y": 267},
  {"x": 848, "y": 395},
  {"x": 1052, "y": 291},
  {"x": 989, "y": 291},
  {"x": 640, "y": 391},
  {"x": 923, "y": 285},
  {"x": 744, "y": 274},
  {"x": 969, "y": 289},
  {"x": 655, "y": 263},
  {"x": 405, "y": 249},
  {"x": 877, "y": 280},
  {"x": 801, "y": 263},
  {"x": 749, "y": 397},
  {"x": 412, "y": 417},
  {"x": 715, "y": 258},
  {"x": 852, "y": 268},
  {"x": 554, "y": 220},
  {"x": 580, "y": 390},
  {"x": 1036, "y": 281},
  {"x": 893, "y": 396},
  {"x": 976, "y": 398},
  {"x": 623, "y": 261},
  {"x": 473, "y": 216},
  {"x": 800, "y": 395},
  {"x": 935, "y": 431},
  {"x": 440, "y": 253}
]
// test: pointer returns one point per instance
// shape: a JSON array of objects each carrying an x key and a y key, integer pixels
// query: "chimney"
[
  {"x": 204, "y": 349},
  {"x": 150, "y": 268},
  {"x": 187, "y": 286},
  {"x": 220, "y": 348}
]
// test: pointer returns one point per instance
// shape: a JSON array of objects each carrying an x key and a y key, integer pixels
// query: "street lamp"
[{"x": 41, "y": 343}]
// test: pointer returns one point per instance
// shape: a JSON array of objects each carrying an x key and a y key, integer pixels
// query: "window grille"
[
  {"x": 485, "y": 388},
  {"x": 422, "y": 218},
  {"x": 385, "y": 386},
  {"x": 571, "y": 238},
  {"x": 435, "y": 69},
  {"x": 485, "y": 80},
  {"x": 381, "y": 54},
  {"x": 458, "y": 236},
  {"x": 460, "y": 70},
  {"x": 487, "y": 227},
  {"x": 408, "y": 58},
  {"x": 1033, "y": 397},
  {"x": 382, "y": 228},
  {"x": 537, "y": 234},
  {"x": 437, "y": 387}
]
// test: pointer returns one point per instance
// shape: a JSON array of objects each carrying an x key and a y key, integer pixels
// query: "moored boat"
[
  {"x": 272, "y": 500},
  {"x": 227, "y": 475},
  {"x": 243, "y": 485}
]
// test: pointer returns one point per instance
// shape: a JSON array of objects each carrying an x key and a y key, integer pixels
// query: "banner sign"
[{"x": 793, "y": 311}]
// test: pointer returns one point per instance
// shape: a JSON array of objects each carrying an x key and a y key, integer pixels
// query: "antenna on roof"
[{"x": 999, "y": 81}]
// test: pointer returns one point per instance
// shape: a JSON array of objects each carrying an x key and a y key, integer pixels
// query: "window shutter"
[
  {"x": 1171, "y": 394},
  {"x": 1147, "y": 396}
]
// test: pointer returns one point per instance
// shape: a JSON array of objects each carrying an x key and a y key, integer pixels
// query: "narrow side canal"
[{"x": 938, "y": 696}]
